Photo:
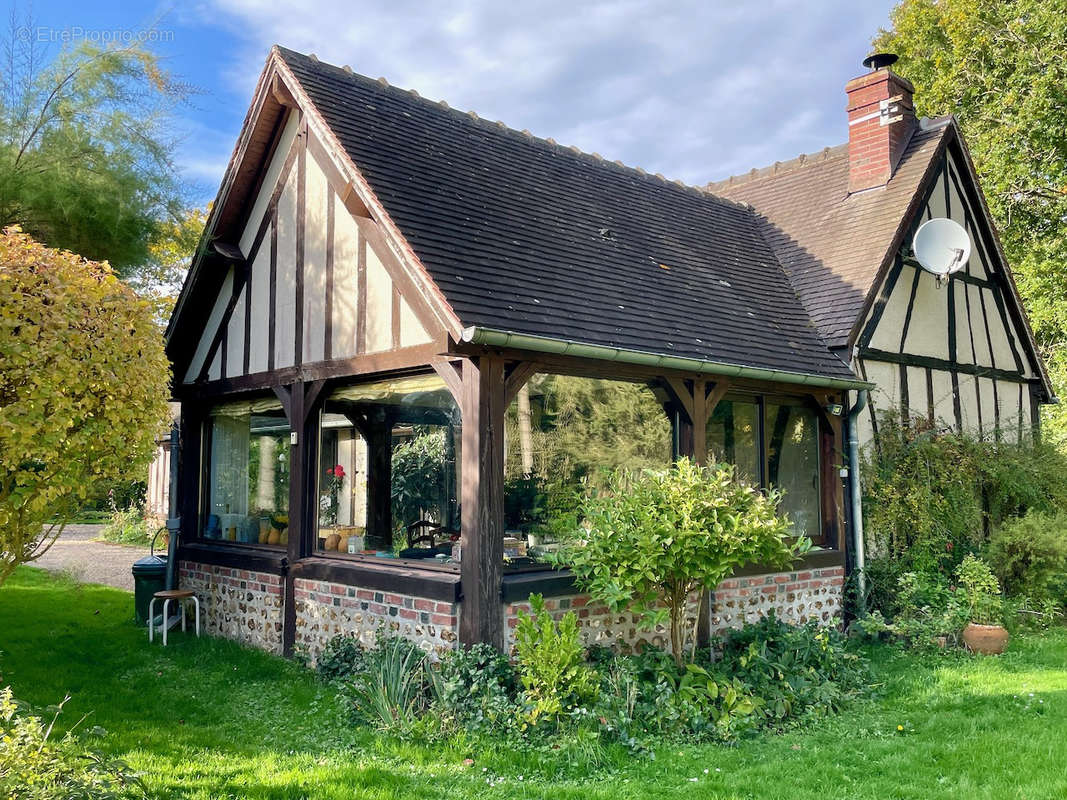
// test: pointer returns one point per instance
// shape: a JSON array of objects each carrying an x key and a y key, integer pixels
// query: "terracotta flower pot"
[{"x": 989, "y": 640}]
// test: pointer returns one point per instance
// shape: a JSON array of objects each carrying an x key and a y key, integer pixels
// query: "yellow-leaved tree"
[{"x": 83, "y": 390}]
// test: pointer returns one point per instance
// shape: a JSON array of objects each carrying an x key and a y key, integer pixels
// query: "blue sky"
[{"x": 695, "y": 90}]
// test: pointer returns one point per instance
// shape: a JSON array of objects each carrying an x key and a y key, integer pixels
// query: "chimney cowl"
[{"x": 879, "y": 60}]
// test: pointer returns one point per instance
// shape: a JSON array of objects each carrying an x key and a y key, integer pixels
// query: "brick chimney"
[{"x": 881, "y": 118}]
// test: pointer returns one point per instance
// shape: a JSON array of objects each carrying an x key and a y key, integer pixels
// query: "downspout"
[
  {"x": 856, "y": 496},
  {"x": 173, "y": 520}
]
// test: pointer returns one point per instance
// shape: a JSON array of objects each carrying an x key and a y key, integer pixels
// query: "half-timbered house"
[{"x": 385, "y": 278}]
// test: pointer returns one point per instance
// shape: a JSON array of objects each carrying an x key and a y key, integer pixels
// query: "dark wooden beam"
[
  {"x": 942, "y": 364},
  {"x": 482, "y": 492},
  {"x": 379, "y": 437},
  {"x": 451, "y": 372},
  {"x": 516, "y": 377},
  {"x": 406, "y": 359},
  {"x": 281, "y": 92}
]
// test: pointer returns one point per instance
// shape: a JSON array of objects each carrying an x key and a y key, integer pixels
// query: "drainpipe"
[
  {"x": 173, "y": 520},
  {"x": 855, "y": 495}
]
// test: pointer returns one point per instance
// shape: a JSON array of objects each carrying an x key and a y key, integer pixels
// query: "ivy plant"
[{"x": 653, "y": 538}]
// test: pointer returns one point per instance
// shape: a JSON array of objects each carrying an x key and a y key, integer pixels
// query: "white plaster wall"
[
  {"x": 379, "y": 305},
  {"x": 270, "y": 181},
  {"x": 285, "y": 308},
  {"x": 213, "y": 321},
  {"x": 235, "y": 338},
  {"x": 928, "y": 328},
  {"x": 259, "y": 336},
  {"x": 316, "y": 197},
  {"x": 345, "y": 280}
]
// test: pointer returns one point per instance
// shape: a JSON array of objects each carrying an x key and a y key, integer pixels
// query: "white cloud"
[{"x": 696, "y": 90}]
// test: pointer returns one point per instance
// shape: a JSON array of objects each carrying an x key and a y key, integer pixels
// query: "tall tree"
[
  {"x": 85, "y": 157},
  {"x": 1001, "y": 67}
]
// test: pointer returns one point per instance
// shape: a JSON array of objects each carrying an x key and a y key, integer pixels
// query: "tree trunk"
[{"x": 525, "y": 430}]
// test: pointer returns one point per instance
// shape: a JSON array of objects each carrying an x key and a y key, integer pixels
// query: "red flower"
[{"x": 339, "y": 471}]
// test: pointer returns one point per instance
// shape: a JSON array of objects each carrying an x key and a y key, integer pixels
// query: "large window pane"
[
  {"x": 388, "y": 470},
  {"x": 248, "y": 474},
  {"x": 563, "y": 436},
  {"x": 733, "y": 437},
  {"x": 792, "y": 433}
]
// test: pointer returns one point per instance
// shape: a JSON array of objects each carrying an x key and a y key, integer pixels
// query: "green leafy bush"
[
  {"x": 128, "y": 526},
  {"x": 931, "y": 497},
  {"x": 477, "y": 688},
  {"x": 981, "y": 590},
  {"x": 552, "y": 668},
  {"x": 35, "y": 763},
  {"x": 341, "y": 657},
  {"x": 1029, "y": 555},
  {"x": 926, "y": 612},
  {"x": 796, "y": 672},
  {"x": 652, "y": 539}
]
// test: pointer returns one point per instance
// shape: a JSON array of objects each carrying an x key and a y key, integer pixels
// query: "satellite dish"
[{"x": 941, "y": 246}]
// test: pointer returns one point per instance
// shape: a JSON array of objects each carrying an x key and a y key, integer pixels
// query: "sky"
[{"x": 695, "y": 90}]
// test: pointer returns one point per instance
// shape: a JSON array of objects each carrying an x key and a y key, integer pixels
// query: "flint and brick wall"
[
  {"x": 325, "y": 610},
  {"x": 795, "y": 597},
  {"x": 237, "y": 604}
]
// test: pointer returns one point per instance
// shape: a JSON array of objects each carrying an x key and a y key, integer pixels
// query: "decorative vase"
[{"x": 988, "y": 640}]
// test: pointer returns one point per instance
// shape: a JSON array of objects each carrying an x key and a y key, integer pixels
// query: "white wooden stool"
[{"x": 180, "y": 595}]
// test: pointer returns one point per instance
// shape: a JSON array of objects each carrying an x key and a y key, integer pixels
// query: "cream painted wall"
[
  {"x": 926, "y": 317},
  {"x": 379, "y": 325}
]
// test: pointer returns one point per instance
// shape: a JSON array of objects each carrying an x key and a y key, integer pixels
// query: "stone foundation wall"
[
  {"x": 597, "y": 623},
  {"x": 324, "y": 610},
  {"x": 795, "y": 597},
  {"x": 237, "y": 603}
]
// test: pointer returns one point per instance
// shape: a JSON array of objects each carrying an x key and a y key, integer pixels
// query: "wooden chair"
[{"x": 423, "y": 533}]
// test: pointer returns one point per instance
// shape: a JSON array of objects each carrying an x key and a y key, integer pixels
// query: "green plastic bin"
[{"x": 149, "y": 577}]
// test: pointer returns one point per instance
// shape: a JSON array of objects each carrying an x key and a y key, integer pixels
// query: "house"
[{"x": 386, "y": 282}]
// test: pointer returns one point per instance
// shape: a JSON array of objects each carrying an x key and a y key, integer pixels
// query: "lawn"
[{"x": 210, "y": 719}]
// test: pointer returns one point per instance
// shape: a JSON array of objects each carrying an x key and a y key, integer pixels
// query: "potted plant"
[{"x": 985, "y": 634}]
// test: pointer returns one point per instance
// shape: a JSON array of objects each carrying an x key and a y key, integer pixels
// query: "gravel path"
[{"x": 90, "y": 561}]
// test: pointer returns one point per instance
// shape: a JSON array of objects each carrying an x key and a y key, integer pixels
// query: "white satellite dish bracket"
[{"x": 942, "y": 247}]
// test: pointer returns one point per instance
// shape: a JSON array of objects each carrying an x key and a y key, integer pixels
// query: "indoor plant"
[{"x": 985, "y": 633}]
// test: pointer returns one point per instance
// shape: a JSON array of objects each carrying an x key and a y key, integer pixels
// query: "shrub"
[
  {"x": 1029, "y": 555},
  {"x": 552, "y": 668},
  {"x": 129, "y": 526},
  {"x": 83, "y": 390},
  {"x": 645, "y": 695},
  {"x": 932, "y": 496},
  {"x": 477, "y": 687},
  {"x": 36, "y": 763},
  {"x": 982, "y": 591},
  {"x": 653, "y": 538},
  {"x": 342, "y": 656},
  {"x": 796, "y": 672},
  {"x": 925, "y": 612}
]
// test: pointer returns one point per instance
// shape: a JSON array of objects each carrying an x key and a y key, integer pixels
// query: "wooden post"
[
  {"x": 301, "y": 402},
  {"x": 482, "y": 495},
  {"x": 190, "y": 469},
  {"x": 379, "y": 436}
]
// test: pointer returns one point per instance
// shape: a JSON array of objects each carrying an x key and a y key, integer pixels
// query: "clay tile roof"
[
  {"x": 512, "y": 228},
  {"x": 832, "y": 244}
]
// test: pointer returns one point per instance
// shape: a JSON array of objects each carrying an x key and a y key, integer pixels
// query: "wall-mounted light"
[{"x": 834, "y": 409}]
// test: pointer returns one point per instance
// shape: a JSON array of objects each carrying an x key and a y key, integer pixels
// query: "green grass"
[{"x": 210, "y": 719}]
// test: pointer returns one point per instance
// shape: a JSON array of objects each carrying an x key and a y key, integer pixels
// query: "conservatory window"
[
  {"x": 388, "y": 476},
  {"x": 248, "y": 474},
  {"x": 733, "y": 437},
  {"x": 792, "y": 436}
]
